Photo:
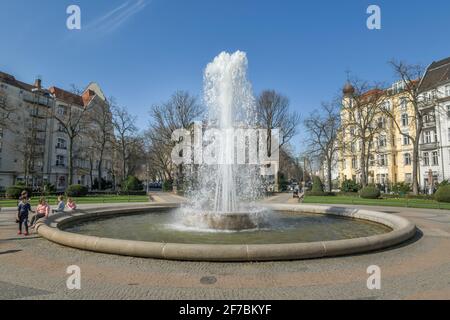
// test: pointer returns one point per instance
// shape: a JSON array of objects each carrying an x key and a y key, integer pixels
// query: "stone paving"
[{"x": 34, "y": 268}]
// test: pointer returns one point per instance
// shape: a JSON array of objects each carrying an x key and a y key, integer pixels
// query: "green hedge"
[
  {"x": 443, "y": 194},
  {"x": 77, "y": 190},
  {"x": 370, "y": 192},
  {"x": 15, "y": 191},
  {"x": 350, "y": 186},
  {"x": 132, "y": 184},
  {"x": 320, "y": 194}
]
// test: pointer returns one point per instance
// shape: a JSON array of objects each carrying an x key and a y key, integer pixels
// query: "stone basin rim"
[{"x": 402, "y": 230}]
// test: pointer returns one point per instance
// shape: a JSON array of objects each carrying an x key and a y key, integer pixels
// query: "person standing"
[{"x": 24, "y": 209}]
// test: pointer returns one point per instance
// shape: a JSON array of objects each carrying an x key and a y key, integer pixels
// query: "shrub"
[
  {"x": 350, "y": 186},
  {"x": 48, "y": 188},
  {"x": 132, "y": 184},
  {"x": 167, "y": 185},
  {"x": 401, "y": 188},
  {"x": 77, "y": 190},
  {"x": 15, "y": 191},
  {"x": 317, "y": 185},
  {"x": 443, "y": 194},
  {"x": 320, "y": 194},
  {"x": 443, "y": 183},
  {"x": 370, "y": 192}
]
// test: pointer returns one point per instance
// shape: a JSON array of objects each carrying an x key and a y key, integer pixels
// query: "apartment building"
[
  {"x": 390, "y": 156},
  {"x": 34, "y": 143},
  {"x": 435, "y": 141},
  {"x": 389, "y": 152}
]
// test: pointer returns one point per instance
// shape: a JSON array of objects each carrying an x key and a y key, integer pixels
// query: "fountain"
[
  {"x": 221, "y": 220},
  {"x": 231, "y": 106}
]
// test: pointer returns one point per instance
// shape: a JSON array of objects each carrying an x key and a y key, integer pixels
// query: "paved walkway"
[{"x": 34, "y": 268}]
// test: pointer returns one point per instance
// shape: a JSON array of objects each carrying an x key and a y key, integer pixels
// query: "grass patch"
[
  {"x": 402, "y": 202},
  {"x": 52, "y": 200}
]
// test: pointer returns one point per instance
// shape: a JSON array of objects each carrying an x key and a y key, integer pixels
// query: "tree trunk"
[
  {"x": 415, "y": 163},
  {"x": 363, "y": 165},
  {"x": 329, "y": 171},
  {"x": 70, "y": 180}
]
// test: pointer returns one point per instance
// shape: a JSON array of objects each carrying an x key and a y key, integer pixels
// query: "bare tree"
[
  {"x": 72, "y": 119},
  {"x": 101, "y": 132},
  {"x": 362, "y": 121},
  {"x": 179, "y": 112},
  {"x": 273, "y": 113},
  {"x": 410, "y": 76},
  {"x": 6, "y": 110},
  {"x": 323, "y": 127},
  {"x": 125, "y": 128}
]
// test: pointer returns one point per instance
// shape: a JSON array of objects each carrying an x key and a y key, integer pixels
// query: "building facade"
[
  {"x": 435, "y": 141},
  {"x": 35, "y": 143},
  {"x": 391, "y": 152}
]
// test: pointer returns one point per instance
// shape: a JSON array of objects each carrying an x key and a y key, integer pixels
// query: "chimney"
[{"x": 38, "y": 83}]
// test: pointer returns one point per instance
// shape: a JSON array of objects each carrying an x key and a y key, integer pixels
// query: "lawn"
[
  {"x": 52, "y": 200},
  {"x": 402, "y": 202}
]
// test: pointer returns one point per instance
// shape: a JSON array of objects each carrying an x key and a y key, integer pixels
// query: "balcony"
[
  {"x": 429, "y": 146},
  {"x": 426, "y": 103},
  {"x": 429, "y": 124}
]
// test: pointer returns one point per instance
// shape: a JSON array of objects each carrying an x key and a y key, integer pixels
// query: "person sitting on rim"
[{"x": 42, "y": 211}]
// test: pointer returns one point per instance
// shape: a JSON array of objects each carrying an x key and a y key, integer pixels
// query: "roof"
[
  {"x": 438, "y": 72},
  {"x": 9, "y": 79},
  {"x": 81, "y": 100},
  {"x": 67, "y": 96}
]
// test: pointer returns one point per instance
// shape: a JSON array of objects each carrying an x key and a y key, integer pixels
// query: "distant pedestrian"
[
  {"x": 23, "y": 211},
  {"x": 71, "y": 205},
  {"x": 42, "y": 211}
]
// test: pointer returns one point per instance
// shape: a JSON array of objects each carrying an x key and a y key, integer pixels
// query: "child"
[
  {"x": 42, "y": 210},
  {"x": 23, "y": 210},
  {"x": 61, "y": 205},
  {"x": 71, "y": 205}
]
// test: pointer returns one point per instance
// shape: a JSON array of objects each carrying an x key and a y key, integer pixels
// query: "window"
[
  {"x": 383, "y": 160},
  {"x": 34, "y": 112},
  {"x": 382, "y": 123},
  {"x": 354, "y": 163},
  {"x": 426, "y": 158},
  {"x": 61, "y": 144},
  {"x": 407, "y": 158},
  {"x": 448, "y": 135},
  {"x": 447, "y": 91},
  {"x": 403, "y": 104},
  {"x": 405, "y": 120},
  {"x": 427, "y": 137},
  {"x": 61, "y": 181},
  {"x": 382, "y": 141},
  {"x": 344, "y": 164},
  {"x": 448, "y": 111},
  {"x": 353, "y": 147},
  {"x": 435, "y": 158},
  {"x": 371, "y": 160},
  {"x": 406, "y": 141},
  {"x": 61, "y": 128},
  {"x": 61, "y": 110},
  {"x": 60, "y": 161}
]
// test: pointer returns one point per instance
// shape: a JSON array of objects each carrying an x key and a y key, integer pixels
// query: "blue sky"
[{"x": 141, "y": 51}]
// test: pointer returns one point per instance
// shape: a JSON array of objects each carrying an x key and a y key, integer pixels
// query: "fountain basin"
[
  {"x": 401, "y": 230},
  {"x": 226, "y": 221}
]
